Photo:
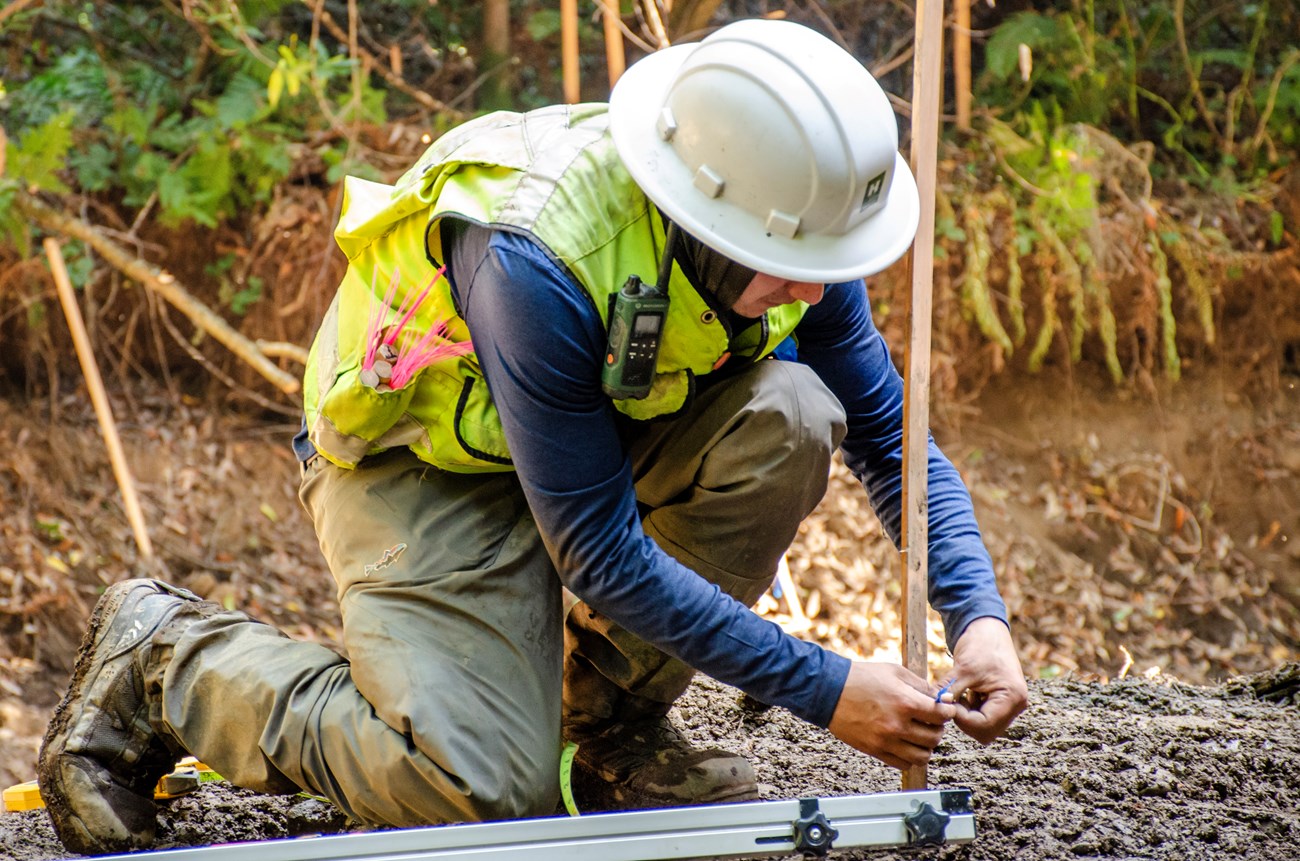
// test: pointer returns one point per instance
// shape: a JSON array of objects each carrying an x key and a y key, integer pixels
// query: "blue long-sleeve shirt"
[{"x": 540, "y": 342}]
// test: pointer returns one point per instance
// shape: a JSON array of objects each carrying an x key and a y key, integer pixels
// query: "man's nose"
[{"x": 806, "y": 291}]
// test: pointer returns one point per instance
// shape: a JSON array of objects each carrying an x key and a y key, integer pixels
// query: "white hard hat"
[{"x": 774, "y": 146}]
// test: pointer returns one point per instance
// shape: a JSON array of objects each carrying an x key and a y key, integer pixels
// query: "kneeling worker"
[{"x": 496, "y": 412}]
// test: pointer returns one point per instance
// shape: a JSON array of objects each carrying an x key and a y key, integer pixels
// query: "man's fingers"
[
  {"x": 918, "y": 684},
  {"x": 975, "y": 724},
  {"x": 900, "y": 753},
  {"x": 927, "y": 740},
  {"x": 985, "y": 722},
  {"x": 927, "y": 709},
  {"x": 925, "y": 734},
  {"x": 891, "y": 714},
  {"x": 913, "y": 754}
]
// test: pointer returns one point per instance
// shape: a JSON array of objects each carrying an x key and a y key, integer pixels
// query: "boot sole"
[{"x": 68, "y": 824}]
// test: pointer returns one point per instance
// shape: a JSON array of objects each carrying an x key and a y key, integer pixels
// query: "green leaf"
[
  {"x": 12, "y": 225},
  {"x": 263, "y": 160},
  {"x": 199, "y": 190},
  {"x": 177, "y": 135},
  {"x": 543, "y": 24},
  {"x": 1002, "y": 54},
  {"x": 372, "y": 103},
  {"x": 1275, "y": 227},
  {"x": 946, "y": 227},
  {"x": 240, "y": 104},
  {"x": 207, "y": 177},
  {"x": 140, "y": 173},
  {"x": 80, "y": 265},
  {"x": 220, "y": 266},
  {"x": 132, "y": 122},
  {"x": 177, "y": 202},
  {"x": 51, "y": 529},
  {"x": 245, "y": 299},
  {"x": 41, "y": 153},
  {"x": 95, "y": 167},
  {"x": 275, "y": 86},
  {"x": 1238, "y": 59}
]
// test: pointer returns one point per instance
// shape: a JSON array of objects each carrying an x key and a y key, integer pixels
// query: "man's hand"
[
  {"x": 891, "y": 714},
  {"x": 988, "y": 684}
]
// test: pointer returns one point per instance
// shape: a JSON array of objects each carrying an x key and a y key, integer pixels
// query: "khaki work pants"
[{"x": 448, "y": 707}]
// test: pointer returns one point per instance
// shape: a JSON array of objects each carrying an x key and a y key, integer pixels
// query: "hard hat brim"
[{"x": 865, "y": 249}]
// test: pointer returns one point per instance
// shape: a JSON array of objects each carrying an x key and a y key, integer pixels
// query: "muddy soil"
[
  {"x": 1154, "y": 541},
  {"x": 1135, "y": 768}
]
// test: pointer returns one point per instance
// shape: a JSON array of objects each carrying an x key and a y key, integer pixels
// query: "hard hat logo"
[
  {"x": 772, "y": 145},
  {"x": 874, "y": 188}
]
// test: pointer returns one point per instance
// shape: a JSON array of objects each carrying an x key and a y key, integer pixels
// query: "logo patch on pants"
[{"x": 389, "y": 557}]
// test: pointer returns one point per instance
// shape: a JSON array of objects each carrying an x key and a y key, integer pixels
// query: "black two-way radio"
[{"x": 636, "y": 327}]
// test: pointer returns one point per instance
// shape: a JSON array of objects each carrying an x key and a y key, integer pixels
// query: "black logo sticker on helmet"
[{"x": 874, "y": 187}]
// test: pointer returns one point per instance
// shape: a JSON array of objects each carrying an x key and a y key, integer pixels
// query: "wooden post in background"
[
  {"x": 98, "y": 397},
  {"x": 927, "y": 73},
  {"x": 569, "y": 50},
  {"x": 961, "y": 62},
  {"x": 498, "y": 89},
  {"x": 615, "y": 60}
]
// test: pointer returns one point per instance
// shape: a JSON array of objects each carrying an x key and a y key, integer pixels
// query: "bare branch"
[
  {"x": 392, "y": 78},
  {"x": 14, "y": 8},
  {"x": 1193, "y": 79},
  {"x": 651, "y": 9},
  {"x": 162, "y": 283}
]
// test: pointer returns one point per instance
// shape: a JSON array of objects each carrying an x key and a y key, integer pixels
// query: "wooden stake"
[
  {"x": 961, "y": 63},
  {"x": 615, "y": 61},
  {"x": 927, "y": 72},
  {"x": 569, "y": 50},
  {"x": 98, "y": 397}
]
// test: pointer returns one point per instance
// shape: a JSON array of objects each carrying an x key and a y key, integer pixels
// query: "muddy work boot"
[
  {"x": 102, "y": 754},
  {"x": 647, "y": 763}
]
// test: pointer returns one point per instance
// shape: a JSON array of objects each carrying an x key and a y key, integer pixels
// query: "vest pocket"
[
  {"x": 478, "y": 426},
  {"x": 356, "y": 420}
]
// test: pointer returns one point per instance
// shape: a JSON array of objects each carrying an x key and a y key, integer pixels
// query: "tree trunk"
[{"x": 498, "y": 90}]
